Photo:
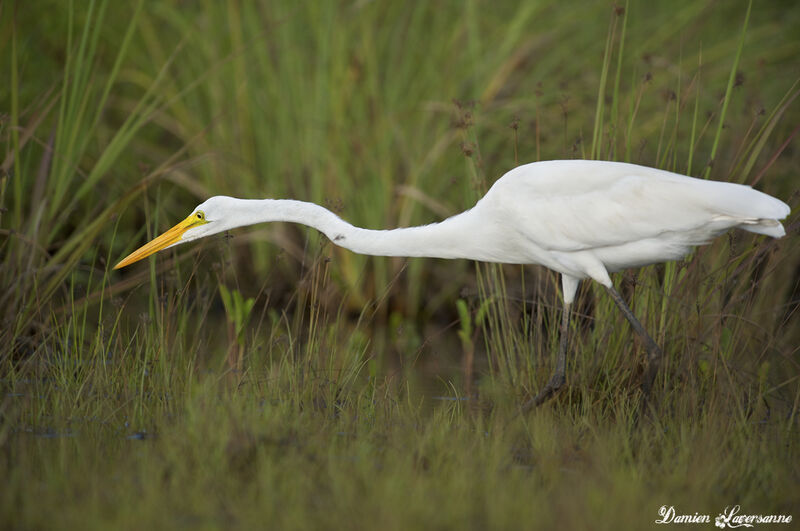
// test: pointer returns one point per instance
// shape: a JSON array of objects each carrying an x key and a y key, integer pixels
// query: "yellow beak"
[{"x": 173, "y": 235}]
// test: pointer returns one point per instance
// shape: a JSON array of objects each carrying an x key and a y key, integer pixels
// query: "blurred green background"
[
  {"x": 390, "y": 113},
  {"x": 122, "y": 118}
]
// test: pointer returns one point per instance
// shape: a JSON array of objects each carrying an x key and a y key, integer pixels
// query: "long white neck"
[{"x": 460, "y": 236}]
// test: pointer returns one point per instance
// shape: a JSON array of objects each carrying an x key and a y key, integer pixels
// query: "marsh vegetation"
[{"x": 268, "y": 379}]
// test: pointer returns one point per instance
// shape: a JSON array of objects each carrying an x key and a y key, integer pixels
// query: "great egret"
[{"x": 581, "y": 218}]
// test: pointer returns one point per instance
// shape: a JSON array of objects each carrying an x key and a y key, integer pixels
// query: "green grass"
[{"x": 273, "y": 380}]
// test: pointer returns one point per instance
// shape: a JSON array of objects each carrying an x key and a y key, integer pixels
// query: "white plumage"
[{"x": 581, "y": 218}]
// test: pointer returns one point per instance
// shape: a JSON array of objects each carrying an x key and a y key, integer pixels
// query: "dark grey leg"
[
  {"x": 654, "y": 353},
  {"x": 559, "y": 376}
]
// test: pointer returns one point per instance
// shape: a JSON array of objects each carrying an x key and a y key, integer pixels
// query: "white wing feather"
[{"x": 580, "y": 205}]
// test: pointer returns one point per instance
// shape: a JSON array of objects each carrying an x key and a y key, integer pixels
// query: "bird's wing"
[{"x": 613, "y": 205}]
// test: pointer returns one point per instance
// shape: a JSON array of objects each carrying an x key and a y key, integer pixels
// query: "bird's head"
[{"x": 209, "y": 217}]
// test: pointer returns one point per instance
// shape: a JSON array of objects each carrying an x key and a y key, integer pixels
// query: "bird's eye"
[{"x": 200, "y": 215}]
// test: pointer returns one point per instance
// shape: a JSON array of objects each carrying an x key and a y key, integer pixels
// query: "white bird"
[{"x": 581, "y": 218}]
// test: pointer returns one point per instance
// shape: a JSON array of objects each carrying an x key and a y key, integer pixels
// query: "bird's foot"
[
  {"x": 648, "y": 378},
  {"x": 549, "y": 391},
  {"x": 650, "y": 371}
]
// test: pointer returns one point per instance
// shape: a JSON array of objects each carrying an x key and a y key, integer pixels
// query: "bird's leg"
[
  {"x": 559, "y": 376},
  {"x": 654, "y": 353}
]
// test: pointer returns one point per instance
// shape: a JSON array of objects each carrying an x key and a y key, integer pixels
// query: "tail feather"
[
  {"x": 753, "y": 211},
  {"x": 768, "y": 227}
]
